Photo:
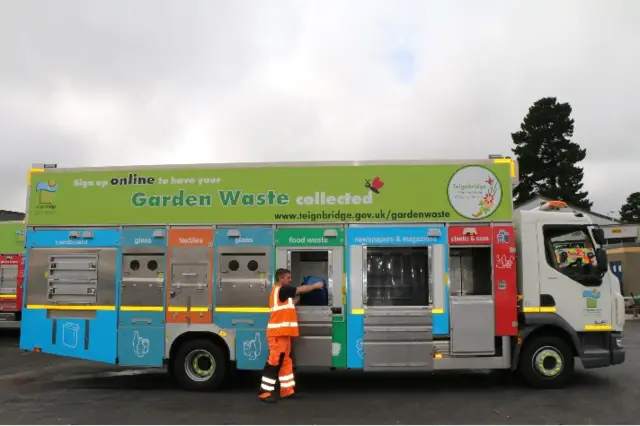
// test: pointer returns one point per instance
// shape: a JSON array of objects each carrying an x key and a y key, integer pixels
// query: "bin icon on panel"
[{"x": 70, "y": 334}]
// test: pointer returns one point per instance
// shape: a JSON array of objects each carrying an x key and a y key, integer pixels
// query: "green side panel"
[
  {"x": 339, "y": 335},
  {"x": 309, "y": 237},
  {"x": 11, "y": 237},
  {"x": 272, "y": 195},
  {"x": 339, "y": 359}
]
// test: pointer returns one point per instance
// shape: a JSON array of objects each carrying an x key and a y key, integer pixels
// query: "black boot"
[{"x": 268, "y": 383}]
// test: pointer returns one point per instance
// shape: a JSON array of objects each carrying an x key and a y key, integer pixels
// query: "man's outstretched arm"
[{"x": 308, "y": 288}]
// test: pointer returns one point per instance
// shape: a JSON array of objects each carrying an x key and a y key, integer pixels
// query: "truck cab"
[{"x": 571, "y": 302}]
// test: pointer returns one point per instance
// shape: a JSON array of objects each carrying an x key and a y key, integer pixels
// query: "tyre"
[
  {"x": 200, "y": 365},
  {"x": 546, "y": 362}
]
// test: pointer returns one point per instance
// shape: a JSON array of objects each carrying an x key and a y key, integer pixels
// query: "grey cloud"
[{"x": 120, "y": 82}]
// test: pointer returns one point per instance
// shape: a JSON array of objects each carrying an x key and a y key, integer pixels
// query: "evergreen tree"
[
  {"x": 547, "y": 157},
  {"x": 630, "y": 211}
]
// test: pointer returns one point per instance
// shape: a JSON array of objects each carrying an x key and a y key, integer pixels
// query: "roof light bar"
[{"x": 554, "y": 205}]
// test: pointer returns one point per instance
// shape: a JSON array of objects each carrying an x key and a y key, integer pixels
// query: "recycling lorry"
[
  {"x": 427, "y": 268},
  {"x": 11, "y": 270}
]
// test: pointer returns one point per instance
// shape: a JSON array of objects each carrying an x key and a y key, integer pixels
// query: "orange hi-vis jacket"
[{"x": 283, "y": 320}]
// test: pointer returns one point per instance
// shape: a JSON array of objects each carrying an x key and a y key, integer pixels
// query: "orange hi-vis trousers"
[{"x": 279, "y": 367}]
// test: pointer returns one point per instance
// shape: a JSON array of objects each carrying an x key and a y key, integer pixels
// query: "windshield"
[{"x": 574, "y": 247}]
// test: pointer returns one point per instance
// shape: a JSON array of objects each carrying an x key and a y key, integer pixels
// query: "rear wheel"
[
  {"x": 546, "y": 362},
  {"x": 200, "y": 365}
]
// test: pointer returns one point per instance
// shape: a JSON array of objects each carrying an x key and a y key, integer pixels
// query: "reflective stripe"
[
  {"x": 276, "y": 299},
  {"x": 73, "y": 307},
  {"x": 289, "y": 305},
  {"x": 285, "y": 378},
  {"x": 283, "y": 319},
  {"x": 267, "y": 387},
  {"x": 268, "y": 381},
  {"x": 283, "y": 324},
  {"x": 288, "y": 384}
]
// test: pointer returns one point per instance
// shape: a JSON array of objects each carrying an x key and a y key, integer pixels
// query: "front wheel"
[
  {"x": 546, "y": 362},
  {"x": 200, "y": 365}
]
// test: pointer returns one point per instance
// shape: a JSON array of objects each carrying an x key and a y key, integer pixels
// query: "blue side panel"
[
  {"x": 355, "y": 337},
  {"x": 248, "y": 237},
  {"x": 355, "y": 322},
  {"x": 141, "y": 346},
  {"x": 388, "y": 236},
  {"x": 143, "y": 237},
  {"x": 93, "y": 338},
  {"x": 252, "y": 349},
  {"x": 395, "y": 236},
  {"x": 441, "y": 321},
  {"x": 141, "y": 333},
  {"x": 62, "y": 239},
  {"x": 251, "y": 342}
]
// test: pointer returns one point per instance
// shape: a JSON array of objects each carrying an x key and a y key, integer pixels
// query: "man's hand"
[{"x": 307, "y": 288}]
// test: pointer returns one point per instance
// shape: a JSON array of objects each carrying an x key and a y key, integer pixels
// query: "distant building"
[
  {"x": 614, "y": 231},
  {"x": 8, "y": 216}
]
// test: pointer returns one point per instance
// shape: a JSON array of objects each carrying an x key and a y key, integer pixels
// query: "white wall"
[{"x": 621, "y": 231}]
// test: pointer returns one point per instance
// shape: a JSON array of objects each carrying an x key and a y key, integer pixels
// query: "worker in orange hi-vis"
[{"x": 282, "y": 328}]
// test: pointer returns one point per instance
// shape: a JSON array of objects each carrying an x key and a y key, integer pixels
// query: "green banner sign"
[
  {"x": 266, "y": 195},
  {"x": 309, "y": 237},
  {"x": 11, "y": 237}
]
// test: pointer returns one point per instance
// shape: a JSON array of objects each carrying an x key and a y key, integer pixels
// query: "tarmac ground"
[{"x": 38, "y": 389}]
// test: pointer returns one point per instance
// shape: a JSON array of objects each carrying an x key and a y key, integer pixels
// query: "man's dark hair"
[{"x": 281, "y": 272}]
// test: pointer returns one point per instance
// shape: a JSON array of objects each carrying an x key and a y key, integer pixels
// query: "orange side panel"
[{"x": 190, "y": 237}]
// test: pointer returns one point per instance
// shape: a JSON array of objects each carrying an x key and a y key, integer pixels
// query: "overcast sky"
[{"x": 123, "y": 82}]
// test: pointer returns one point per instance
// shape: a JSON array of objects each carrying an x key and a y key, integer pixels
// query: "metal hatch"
[
  {"x": 397, "y": 292},
  {"x": 244, "y": 274},
  {"x": 8, "y": 278},
  {"x": 143, "y": 279},
  {"x": 72, "y": 278}
]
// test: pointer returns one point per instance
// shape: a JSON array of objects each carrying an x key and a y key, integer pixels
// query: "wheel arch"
[
  {"x": 195, "y": 335},
  {"x": 546, "y": 324}
]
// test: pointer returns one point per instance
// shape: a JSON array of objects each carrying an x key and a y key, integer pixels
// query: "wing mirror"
[
  {"x": 603, "y": 260},
  {"x": 598, "y": 235}
]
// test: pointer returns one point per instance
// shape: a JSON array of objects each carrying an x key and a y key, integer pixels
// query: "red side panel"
[
  {"x": 504, "y": 281},
  {"x": 20, "y": 289},
  {"x": 10, "y": 301},
  {"x": 470, "y": 235}
]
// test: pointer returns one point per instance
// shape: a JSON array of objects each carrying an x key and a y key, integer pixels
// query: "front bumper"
[{"x": 612, "y": 354}]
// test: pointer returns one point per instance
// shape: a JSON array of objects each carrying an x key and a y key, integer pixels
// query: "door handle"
[
  {"x": 244, "y": 321},
  {"x": 336, "y": 311}
]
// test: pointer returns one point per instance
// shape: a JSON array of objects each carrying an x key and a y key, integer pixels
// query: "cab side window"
[{"x": 570, "y": 250}]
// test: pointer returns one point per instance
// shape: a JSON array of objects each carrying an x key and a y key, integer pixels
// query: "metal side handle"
[{"x": 242, "y": 321}]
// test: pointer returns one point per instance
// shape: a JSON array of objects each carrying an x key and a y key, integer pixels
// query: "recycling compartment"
[
  {"x": 314, "y": 347},
  {"x": 472, "y": 311},
  {"x": 398, "y": 327}
]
